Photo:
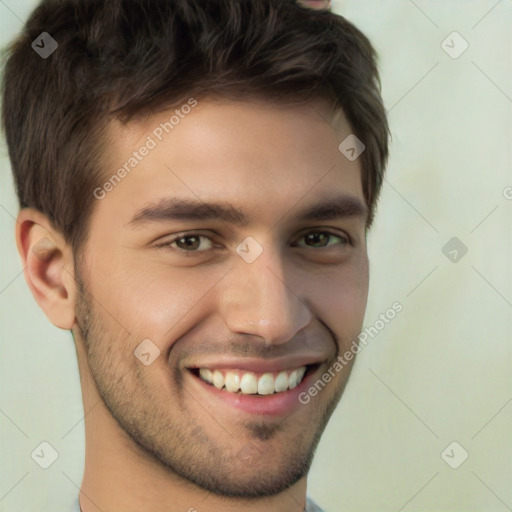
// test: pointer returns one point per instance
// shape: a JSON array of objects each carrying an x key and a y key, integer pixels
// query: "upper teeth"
[{"x": 248, "y": 383}]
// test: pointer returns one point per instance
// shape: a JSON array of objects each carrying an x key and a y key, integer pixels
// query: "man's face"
[{"x": 169, "y": 259}]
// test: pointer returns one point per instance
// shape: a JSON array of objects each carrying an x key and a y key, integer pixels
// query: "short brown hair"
[{"x": 126, "y": 58}]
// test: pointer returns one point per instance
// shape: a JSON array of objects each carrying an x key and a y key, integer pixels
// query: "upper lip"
[{"x": 256, "y": 365}]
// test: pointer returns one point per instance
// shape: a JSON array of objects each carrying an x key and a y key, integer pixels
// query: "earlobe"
[{"x": 48, "y": 266}]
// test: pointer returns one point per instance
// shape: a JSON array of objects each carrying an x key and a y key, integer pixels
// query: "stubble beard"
[{"x": 183, "y": 446}]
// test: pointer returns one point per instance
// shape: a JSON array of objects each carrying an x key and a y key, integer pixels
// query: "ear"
[{"x": 48, "y": 266}]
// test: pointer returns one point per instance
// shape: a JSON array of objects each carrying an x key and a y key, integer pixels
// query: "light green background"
[{"x": 439, "y": 372}]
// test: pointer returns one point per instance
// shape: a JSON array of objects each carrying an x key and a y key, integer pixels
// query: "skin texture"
[
  {"x": 155, "y": 439},
  {"x": 316, "y": 4}
]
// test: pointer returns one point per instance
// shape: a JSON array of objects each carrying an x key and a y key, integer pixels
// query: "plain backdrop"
[{"x": 439, "y": 373}]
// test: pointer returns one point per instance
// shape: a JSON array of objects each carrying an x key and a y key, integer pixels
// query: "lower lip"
[{"x": 277, "y": 404}]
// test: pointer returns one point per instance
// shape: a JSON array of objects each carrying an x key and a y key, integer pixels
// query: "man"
[{"x": 196, "y": 181}]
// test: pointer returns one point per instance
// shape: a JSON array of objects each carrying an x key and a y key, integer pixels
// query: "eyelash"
[{"x": 345, "y": 240}]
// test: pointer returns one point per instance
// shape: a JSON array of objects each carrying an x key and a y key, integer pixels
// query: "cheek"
[
  {"x": 155, "y": 301},
  {"x": 341, "y": 297}
]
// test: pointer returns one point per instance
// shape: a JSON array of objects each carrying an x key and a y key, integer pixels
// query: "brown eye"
[
  {"x": 191, "y": 243},
  {"x": 322, "y": 239}
]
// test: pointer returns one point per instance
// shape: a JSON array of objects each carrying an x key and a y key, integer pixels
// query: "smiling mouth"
[{"x": 253, "y": 383}]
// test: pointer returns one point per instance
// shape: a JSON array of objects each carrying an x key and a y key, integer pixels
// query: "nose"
[{"x": 256, "y": 299}]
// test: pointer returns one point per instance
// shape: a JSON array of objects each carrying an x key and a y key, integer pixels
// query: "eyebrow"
[
  {"x": 335, "y": 208},
  {"x": 194, "y": 210}
]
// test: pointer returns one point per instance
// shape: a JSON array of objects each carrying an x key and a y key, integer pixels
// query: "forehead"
[{"x": 263, "y": 155}]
